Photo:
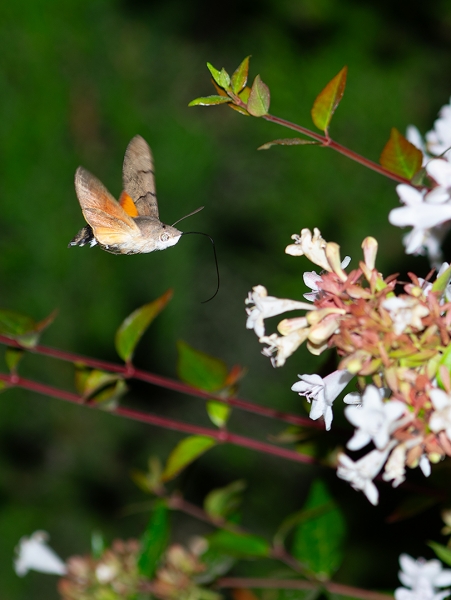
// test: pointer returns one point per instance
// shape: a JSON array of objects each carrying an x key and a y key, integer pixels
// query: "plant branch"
[
  {"x": 130, "y": 372},
  {"x": 220, "y": 436}
]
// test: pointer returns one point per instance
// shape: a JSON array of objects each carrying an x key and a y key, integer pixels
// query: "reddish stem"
[
  {"x": 131, "y": 373},
  {"x": 129, "y": 413}
]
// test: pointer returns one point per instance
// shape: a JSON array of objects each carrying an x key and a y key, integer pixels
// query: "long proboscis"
[{"x": 214, "y": 252}]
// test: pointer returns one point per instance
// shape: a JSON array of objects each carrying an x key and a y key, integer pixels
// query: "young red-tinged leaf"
[
  {"x": 221, "y": 77},
  {"x": 199, "y": 369},
  {"x": 22, "y": 328},
  {"x": 12, "y": 358},
  {"x": 318, "y": 542},
  {"x": 327, "y": 101},
  {"x": 223, "y": 502},
  {"x": 239, "y": 77},
  {"x": 259, "y": 98},
  {"x": 149, "y": 481},
  {"x": 219, "y": 412},
  {"x": 89, "y": 381},
  {"x": 239, "y": 544},
  {"x": 287, "y": 142},
  {"x": 154, "y": 540},
  {"x": 209, "y": 101},
  {"x": 185, "y": 453},
  {"x": 442, "y": 552},
  {"x": 134, "y": 326},
  {"x": 401, "y": 157}
]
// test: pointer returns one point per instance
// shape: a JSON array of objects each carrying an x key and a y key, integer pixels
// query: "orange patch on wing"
[{"x": 128, "y": 205}]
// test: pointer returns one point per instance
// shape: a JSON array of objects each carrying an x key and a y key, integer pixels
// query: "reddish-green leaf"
[
  {"x": 134, "y": 326},
  {"x": 154, "y": 540},
  {"x": 259, "y": 98},
  {"x": 239, "y": 77},
  {"x": 222, "y": 502},
  {"x": 89, "y": 381},
  {"x": 199, "y": 369},
  {"x": 209, "y": 101},
  {"x": 401, "y": 157},
  {"x": 287, "y": 142},
  {"x": 239, "y": 544},
  {"x": 22, "y": 328},
  {"x": 185, "y": 453},
  {"x": 327, "y": 101},
  {"x": 219, "y": 412}
]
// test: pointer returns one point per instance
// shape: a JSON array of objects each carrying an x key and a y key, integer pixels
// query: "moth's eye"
[{"x": 164, "y": 237}]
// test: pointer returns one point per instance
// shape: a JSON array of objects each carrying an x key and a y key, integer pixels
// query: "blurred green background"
[{"x": 80, "y": 78}]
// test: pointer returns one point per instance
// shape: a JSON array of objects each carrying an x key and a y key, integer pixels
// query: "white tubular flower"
[
  {"x": 34, "y": 554},
  {"x": 439, "y": 138},
  {"x": 313, "y": 247},
  {"x": 353, "y": 398},
  {"x": 423, "y": 577},
  {"x": 321, "y": 393},
  {"x": 284, "y": 346},
  {"x": 415, "y": 138},
  {"x": 267, "y": 306},
  {"x": 405, "y": 312},
  {"x": 441, "y": 418},
  {"x": 425, "y": 465},
  {"x": 311, "y": 279},
  {"x": 440, "y": 170},
  {"x": 375, "y": 419},
  {"x": 360, "y": 474},
  {"x": 395, "y": 467}
]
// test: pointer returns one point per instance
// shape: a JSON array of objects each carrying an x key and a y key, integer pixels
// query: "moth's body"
[{"x": 132, "y": 225}]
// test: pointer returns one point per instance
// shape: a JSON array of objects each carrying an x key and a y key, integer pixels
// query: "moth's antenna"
[
  {"x": 214, "y": 252},
  {"x": 190, "y": 215}
]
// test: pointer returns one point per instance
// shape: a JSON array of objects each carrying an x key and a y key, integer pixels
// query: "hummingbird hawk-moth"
[{"x": 132, "y": 225}]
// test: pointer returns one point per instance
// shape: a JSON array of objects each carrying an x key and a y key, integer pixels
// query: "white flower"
[
  {"x": 425, "y": 465},
  {"x": 405, "y": 312},
  {"x": 313, "y": 247},
  {"x": 361, "y": 473},
  {"x": 267, "y": 306},
  {"x": 354, "y": 398},
  {"x": 395, "y": 467},
  {"x": 322, "y": 392},
  {"x": 311, "y": 280},
  {"x": 33, "y": 553},
  {"x": 422, "y": 573},
  {"x": 375, "y": 419},
  {"x": 284, "y": 346},
  {"x": 439, "y": 138},
  {"x": 441, "y": 418},
  {"x": 421, "y": 210},
  {"x": 415, "y": 138},
  {"x": 440, "y": 171}
]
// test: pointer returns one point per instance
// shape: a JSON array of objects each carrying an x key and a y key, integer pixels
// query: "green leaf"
[
  {"x": 89, "y": 381},
  {"x": 108, "y": 398},
  {"x": 185, "y": 453},
  {"x": 149, "y": 482},
  {"x": 401, "y": 157},
  {"x": 22, "y": 328},
  {"x": 154, "y": 540},
  {"x": 219, "y": 412},
  {"x": 318, "y": 541},
  {"x": 287, "y": 142},
  {"x": 209, "y": 100},
  {"x": 441, "y": 283},
  {"x": 239, "y": 77},
  {"x": 442, "y": 552},
  {"x": 328, "y": 99},
  {"x": 239, "y": 544},
  {"x": 259, "y": 98},
  {"x": 221, "y": 77},
  {"x": 223, "y": 502},
  {"x": 98, "y": 545},
  {"x": 134, "y": 326},
  {"x": 12, "y": 358},
  {"x": 199, "y": 369}
]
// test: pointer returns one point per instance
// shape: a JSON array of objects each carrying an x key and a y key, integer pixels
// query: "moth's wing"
[
  {"x": 111, "y": 225},
  {"x": 138, "y": 177}
]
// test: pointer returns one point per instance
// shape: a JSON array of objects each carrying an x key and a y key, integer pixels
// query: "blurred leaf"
[
  {"x": 22, "y": 328},
  {"x": 222, "y": 502},
  {"x": 221, "y": 77},
  {"x": 239, "y": 77},
  {"x": 239, "y": 544},
  {"x": 108, "y": 398},
  {"x": 199, "y": 369},
  {"x": 287, "y": 142},
  {"x": 3, "y": 385},
  {"x": 259, "y": 98},
  {"x": 401, "y": 157},
  {"x": 154, "y": 540},
  {"x": 217, "y": 564},
  {"x": 318, "y": 542},
  {"x": 134, "y": 326},
  {"x": 150, "y": 481},
  {"x": 328, "y": 99},
  {"x": 219, "y": 412},
  {"x": 89, "y": 381},
  {"x": 243, "y": 594},
  {"x": 442, "y": 552},
  {"x": 185, "y": 453},
  {"x": 209, "y": 100},
  {"x": 446, "y": 361},
  {"x": 13, "y": 357},
  {"x": 98, "y": 545},
  {"x": 441, "y": 283}
]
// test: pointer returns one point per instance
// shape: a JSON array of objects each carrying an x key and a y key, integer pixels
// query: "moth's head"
[{"x": 167, "y": 236}]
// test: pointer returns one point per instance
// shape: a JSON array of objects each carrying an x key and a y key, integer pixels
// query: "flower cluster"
[
  {"x": 394, "y": 337},
  {"x": 428, "y": 211},
  {"x": 421, "y": 579}
]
